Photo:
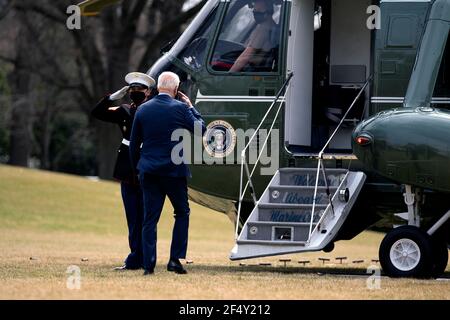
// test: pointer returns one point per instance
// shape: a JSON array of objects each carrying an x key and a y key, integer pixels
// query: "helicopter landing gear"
[
  {"x": 412, "y": 200},
  {"x": 409, "y": 251}
]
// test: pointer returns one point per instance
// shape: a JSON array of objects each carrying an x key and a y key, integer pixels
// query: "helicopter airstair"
[
  {"x": 287, "y": 219},
  {"x": 301, "y": 210}
]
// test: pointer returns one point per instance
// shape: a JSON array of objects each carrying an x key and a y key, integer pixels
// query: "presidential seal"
[{"x": 220, "y": 139}]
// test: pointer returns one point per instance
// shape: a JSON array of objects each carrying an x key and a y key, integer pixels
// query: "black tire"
[
  {"x": 329, "y": 247},
  {"x": 422, "y": 268},
  {"x": 440, "y": 257}
]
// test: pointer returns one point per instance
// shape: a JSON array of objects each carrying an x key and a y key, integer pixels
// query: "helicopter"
[{"x": 353, "y": 109}]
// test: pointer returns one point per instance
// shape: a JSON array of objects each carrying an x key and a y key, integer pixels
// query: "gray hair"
[{"x": 168, "y": 81}]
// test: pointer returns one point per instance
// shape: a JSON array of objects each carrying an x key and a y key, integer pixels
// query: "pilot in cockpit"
[{"x": 260, "y": 44}]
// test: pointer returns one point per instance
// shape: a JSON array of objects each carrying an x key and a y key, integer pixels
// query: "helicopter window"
[
  {"x": 195, "y": 52},
  {"x": 249, "y": 37},
  {"x": 442, "y": 88}
]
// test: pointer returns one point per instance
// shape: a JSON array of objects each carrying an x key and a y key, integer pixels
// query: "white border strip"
[
  {"x": 383, "y": 100},
  {"x": 202, "y": 98}
]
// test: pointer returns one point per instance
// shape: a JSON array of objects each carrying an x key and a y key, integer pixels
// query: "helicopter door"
[
  {"x": 329, "y": 52},
  {"x": 300, "y": 62}
]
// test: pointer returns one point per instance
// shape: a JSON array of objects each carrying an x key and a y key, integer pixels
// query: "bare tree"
[
  {"x": 21, "y": 113},
  {"x": 92, "y": 62}
]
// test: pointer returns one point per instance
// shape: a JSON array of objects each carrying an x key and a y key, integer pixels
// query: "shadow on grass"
[{"x": 289, "y": 270}]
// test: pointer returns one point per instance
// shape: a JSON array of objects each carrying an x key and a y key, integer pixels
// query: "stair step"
[
  {"x": 265, "y": 242},
  {"x": 307, "y": 177},
  {"x": 299, "y": 194},
  {"x": 277, "y": 231},
  {"x": 283, "y": 224},
  {"x": 288, "y": 206},
  {"x": 279, "y": 212}
]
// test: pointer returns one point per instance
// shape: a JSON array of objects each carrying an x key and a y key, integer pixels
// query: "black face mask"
[
  {"x": 137, "y": 97},
  {"x": 259, "y": 16}
]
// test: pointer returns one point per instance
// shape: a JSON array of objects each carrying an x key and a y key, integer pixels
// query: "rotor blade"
[{"x": 93, "y": 7}]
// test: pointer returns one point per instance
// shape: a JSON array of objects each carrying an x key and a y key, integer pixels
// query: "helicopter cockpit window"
[
  {"x": 194, "y": 54},
  {"x": 249, "y": 37},
  {"x": 442, "y": 87}
]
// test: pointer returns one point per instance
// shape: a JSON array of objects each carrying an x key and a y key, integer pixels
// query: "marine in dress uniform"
[
  {"x": 139, "y": 90},
  {"x": 159, "y": 174}
]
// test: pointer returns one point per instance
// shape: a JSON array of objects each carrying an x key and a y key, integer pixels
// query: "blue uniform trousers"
[
  {"x": 134, "y": 210},
  {"x": 155, "y": 189}
]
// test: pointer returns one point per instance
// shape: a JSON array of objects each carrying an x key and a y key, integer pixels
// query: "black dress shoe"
[
  {"x": 175, "y": 265},
  {"x": 148, "y": 272}
]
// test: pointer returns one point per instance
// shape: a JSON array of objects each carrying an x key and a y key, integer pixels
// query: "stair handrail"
[
  {"x": 321, "y": 166},
  {"x": 244, "y": 166}
]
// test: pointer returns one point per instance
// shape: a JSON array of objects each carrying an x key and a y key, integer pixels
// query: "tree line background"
[{"x": 52, "y": 77}]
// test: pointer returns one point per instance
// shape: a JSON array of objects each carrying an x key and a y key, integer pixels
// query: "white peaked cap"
[{"x": 140, "y": 78}]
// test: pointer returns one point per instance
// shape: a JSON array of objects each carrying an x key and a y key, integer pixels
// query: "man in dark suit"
[
  {"x": 161, "y": 175},
  {"x": 139, "y": 90}
]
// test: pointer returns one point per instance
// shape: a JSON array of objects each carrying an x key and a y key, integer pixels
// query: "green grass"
[
  {"x": 47, "y": 202},
  {"x": 59, "y": 220},
  {"x": 44, "y": 201}
]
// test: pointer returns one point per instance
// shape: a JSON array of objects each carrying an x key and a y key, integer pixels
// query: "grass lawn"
[{"x": 49, "y": 222}]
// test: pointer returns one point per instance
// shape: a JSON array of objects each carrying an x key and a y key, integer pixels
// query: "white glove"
[{"x": 119, "y": 94}]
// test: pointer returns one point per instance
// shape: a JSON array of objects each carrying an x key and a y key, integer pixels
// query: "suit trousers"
[
  {"x": 155, "y": 189},
  {"x": 134, "y": 210}
]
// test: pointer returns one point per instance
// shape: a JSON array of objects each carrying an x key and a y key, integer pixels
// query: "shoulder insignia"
[{"x": 113, "y": 108}]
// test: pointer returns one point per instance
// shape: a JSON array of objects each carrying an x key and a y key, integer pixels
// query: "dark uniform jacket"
[
  {"x": 155, "y": 122},
  {"x": 123, "y": 116}
]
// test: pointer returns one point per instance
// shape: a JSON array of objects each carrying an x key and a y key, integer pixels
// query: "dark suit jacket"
[
  {"x": 122, "y": 116},
  {"x": 154, "y": 123}
]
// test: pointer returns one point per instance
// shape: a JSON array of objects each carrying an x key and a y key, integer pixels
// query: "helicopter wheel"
[
  {"x": 329, "y": 248},
  {"x": 407, "y": 252}
]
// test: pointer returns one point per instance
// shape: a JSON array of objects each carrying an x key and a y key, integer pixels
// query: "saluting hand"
[
  {"x": 119, "y": 94},
  {"x": 185, "y": 99}
]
